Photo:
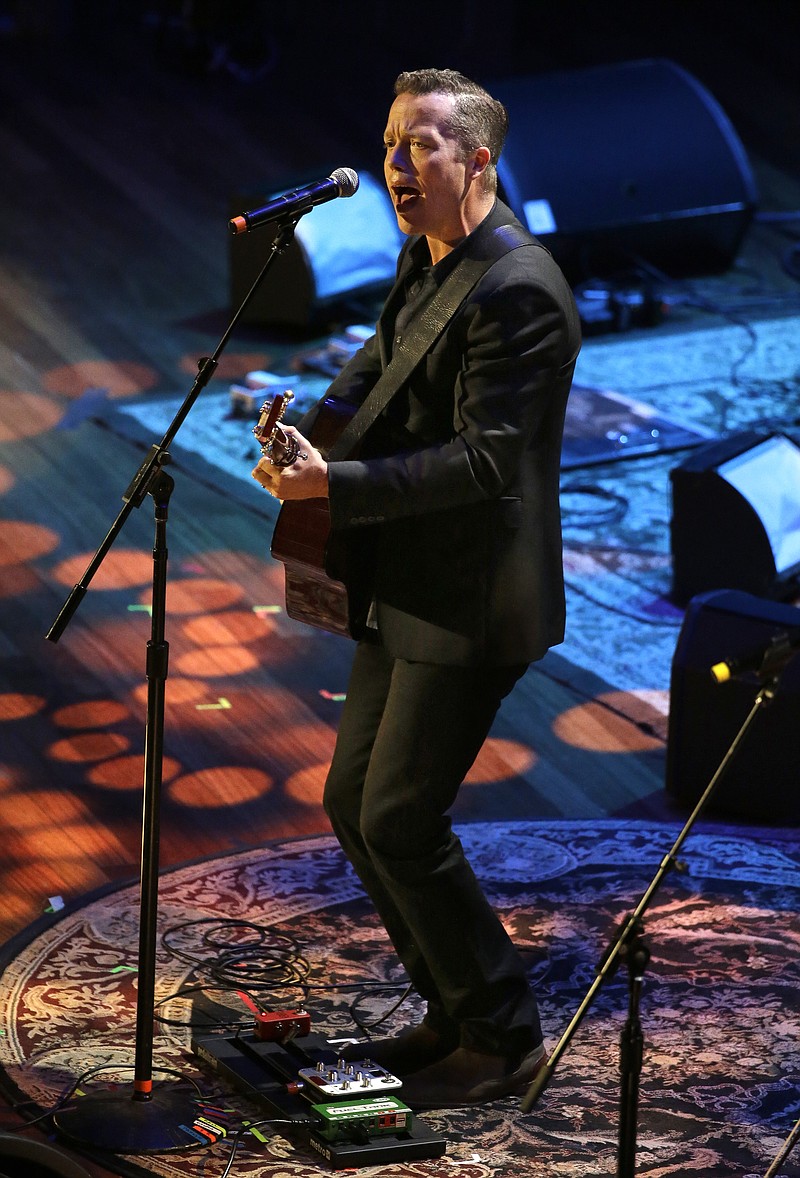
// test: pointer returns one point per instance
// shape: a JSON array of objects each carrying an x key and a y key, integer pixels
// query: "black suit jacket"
[{"x": 457, "y": 486}]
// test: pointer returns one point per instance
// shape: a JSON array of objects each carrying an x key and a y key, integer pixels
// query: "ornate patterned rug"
[{"x": 288, "y": 925}]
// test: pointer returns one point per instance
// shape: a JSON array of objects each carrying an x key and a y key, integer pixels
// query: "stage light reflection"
[
  {"x": 306, "y": 785},
  {"x": 232, "y": 365},
  {"x": 127, "y": 773},
  {"x": 7, "y": 779},
  {"x": 76, "y": 841},
  {"x": 178, "y": 691},
  {"x": 88, "y": 746},
  {"x": 18, "y": 910},
  {"x": 121, "y": 378},
  {"x": 266, "y": 572},
  {"x": 119, "y": 646},
  {"x": 21, "y": 541},
  {"x": 95, "y": 713},
  {"x": 216, "y": 661},
  {"x": 47, "y": 808},
  {"x": 7, "y": 478},
  {"x": 24, "y": 415},
  {"x": 219, "y": 787},
  {"x": 598, "y": 726},
  {"x": 17, "y": 580},
  {"x": 122, "y": 568},
  {"x": 17, "y": 706},
  {"x": 233, "y": 627},
  {"x": 200, "y": 595},
  {"x": 500, "y": 759}
]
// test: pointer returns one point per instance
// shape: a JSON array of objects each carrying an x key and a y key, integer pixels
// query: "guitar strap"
[{"x": 424, "y": 332}]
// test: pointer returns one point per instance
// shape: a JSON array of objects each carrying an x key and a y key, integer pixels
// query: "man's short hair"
[{"x": 478, "y": 120}]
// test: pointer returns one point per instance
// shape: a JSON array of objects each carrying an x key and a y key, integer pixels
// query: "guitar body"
[{"x": 316, "y": 562}]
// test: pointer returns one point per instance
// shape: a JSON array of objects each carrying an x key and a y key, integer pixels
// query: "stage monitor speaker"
[
  {"x": 634, "y": 160},
  {"x": 736, "y": 517},
  {"x": 762, "y": 780},
  {"x": 21, "y": 1157},
  {"x": 342, "y": 251}
]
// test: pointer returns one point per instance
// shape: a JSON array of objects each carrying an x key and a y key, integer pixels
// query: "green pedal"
[{"x": 376, "y": 1116}]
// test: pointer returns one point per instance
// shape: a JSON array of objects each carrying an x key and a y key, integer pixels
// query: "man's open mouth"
[{"x": 404, "y": 196}]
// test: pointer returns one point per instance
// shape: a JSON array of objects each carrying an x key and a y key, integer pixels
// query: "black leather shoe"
[
  {"x": 470, "y": 1077},
  {"x": 413, "y": 1049}
]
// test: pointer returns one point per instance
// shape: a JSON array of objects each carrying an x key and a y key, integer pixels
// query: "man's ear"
[{"x": 481, "y": 159}]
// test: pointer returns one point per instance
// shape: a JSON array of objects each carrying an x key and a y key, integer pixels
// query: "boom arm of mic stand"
[{"x": 669, "y": 861}]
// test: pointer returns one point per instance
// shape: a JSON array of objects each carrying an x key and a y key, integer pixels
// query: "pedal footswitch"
[{"x": 352, "y": 1080}]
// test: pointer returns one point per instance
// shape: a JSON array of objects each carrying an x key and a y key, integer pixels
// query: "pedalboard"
[{"x": 352, "y": 1114}]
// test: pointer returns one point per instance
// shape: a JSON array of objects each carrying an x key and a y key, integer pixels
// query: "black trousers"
[{"x": 408, "y": 735}]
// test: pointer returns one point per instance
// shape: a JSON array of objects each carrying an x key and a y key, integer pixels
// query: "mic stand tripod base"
[{"x": 121, "y": 1123}]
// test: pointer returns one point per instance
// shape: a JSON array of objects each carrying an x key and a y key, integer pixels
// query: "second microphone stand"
[{"x": 628, "y": 945}]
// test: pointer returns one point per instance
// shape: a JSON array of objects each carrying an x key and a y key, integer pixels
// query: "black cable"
[
  {"x": 240, "y": 1133},
  {"x": 365, "y": 1026},
  {"x": 615, "y": 510},
  {"x": 669, "y": 623},
  {"x": 270, "y": 961}
]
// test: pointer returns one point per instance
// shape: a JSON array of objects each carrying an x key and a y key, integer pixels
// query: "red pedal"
[{"x": 278, "y": 1026}]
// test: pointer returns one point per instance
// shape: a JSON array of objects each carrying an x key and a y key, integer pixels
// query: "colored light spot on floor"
[
  {"x": 76, "y": 841},
  {"x": 178, "y": 691},
  {"x": 225, "y": 629},
  {"x": 17, "y": 706},
  {"x": 8, "y": 781},
  {"x": 7, "y": 479},
  {"x": 231, "y": 365},
  {"x": 602, "y": 729},
  {"x": 21, "y": 541},
  {"x": 201, "y": 595},
  {"x": 127, "y": 773},
  {"x": 647, "y": 707},
  {"x": 122, "y": 378},
  {"x": 88, "y": 746},
  {"x": 17, "y": 580},
  {"x": 47, "y": 808},
  {"x": 500, "y": 759},
  {"x": 219, "y": 787},
  {"x": 122, "y": 568},
  {"x": 306, "y": 785},
  {"x": 24, "y": 415},
  {"x": 94, "y": 713},
  {"x": 216, "y": 661}
]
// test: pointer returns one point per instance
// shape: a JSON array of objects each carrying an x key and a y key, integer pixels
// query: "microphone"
[
  {"x": 764, "y": 661},
  {"x": 342, "y": 182}
]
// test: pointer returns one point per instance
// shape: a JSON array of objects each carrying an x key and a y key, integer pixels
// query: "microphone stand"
[
  {"x": 147, "y": 1120},
  {"x": 628, "y": 945}
]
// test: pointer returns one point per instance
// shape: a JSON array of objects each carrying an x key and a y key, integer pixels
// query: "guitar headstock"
[
  {"x": 267, "y": 429},
  {"x": 279, "y": 447}
]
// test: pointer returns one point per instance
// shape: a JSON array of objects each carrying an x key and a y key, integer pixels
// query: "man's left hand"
[{"x": 306, "y": 478}]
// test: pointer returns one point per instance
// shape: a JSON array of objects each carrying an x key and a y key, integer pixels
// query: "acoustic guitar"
[{"x": 315, "y": 561}]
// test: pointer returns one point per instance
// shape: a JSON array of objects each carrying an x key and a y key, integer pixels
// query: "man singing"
[{"x": 456, "y": 490}]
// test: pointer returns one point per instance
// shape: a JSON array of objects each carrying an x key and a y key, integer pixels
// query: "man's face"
[{"x": 425, "y": 169}]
